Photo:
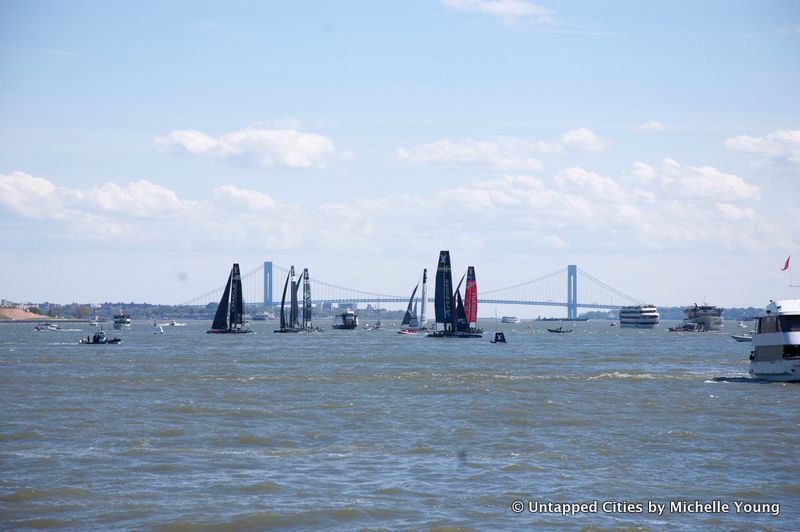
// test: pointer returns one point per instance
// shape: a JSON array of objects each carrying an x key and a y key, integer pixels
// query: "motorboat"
[
  {"x": 510, "y": 319},
  {"x": 43, "y": 327},
  {"x": 744, "y": 337},
  {"x": 100, "y": 338},
  {"x": 776, "y": 343},
  {"x": 689, "y": 326}
]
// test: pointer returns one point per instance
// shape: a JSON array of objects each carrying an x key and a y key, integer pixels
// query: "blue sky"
[{"x": 655, "y": 144}]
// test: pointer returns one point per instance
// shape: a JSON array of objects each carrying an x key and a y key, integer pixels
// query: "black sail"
[
  {"x": 409, "y": 315},
  {"x": 306, "y": 300},
  {"x": 443, "y": 297},
  {"x": 220, "y": 318},
  {"x": 237, "y": 301},
  {"x": 293, "y": 312},
  {"x": 283, "y": 301}
]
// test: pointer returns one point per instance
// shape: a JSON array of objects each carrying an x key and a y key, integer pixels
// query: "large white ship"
[
  {"x": 639, "y": 316},
  {"x": 707, "y": 316},
  {"x": 776, "y": 343}
]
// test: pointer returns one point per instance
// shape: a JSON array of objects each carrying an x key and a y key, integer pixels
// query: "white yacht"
[
  {"x": 639, "y": 316},
  {"x": 510, "y": 319},
  {"x": 776, "y": 343}
]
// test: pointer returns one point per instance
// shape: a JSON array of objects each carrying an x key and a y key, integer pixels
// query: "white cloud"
[
  {"x": 652, "y": 126},
  {"x": 504, "y": 153},
  {"x": 254, "y": 146},
  {"x": 594, "y": 186},
  {"x": 582, "y": 139},
  {"x": 27, "y": 195},
  {"x": 783, "y": 144},
  {"x": 673, "y": 180},
  {"x": 250, "y": 200},
  {"x": 509, "y": 11},
  {"x": 666, "y": 206}
]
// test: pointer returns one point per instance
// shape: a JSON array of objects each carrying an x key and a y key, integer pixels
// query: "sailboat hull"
[
  {"x": 228, "y": 331},
  {"x": 454, "y": 334}
]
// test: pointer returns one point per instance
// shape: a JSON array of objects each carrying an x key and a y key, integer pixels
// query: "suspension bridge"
[{"x": 557, "y": 289}]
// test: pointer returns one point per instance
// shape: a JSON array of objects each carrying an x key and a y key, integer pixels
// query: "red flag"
[{"x": 786, "y": 266}]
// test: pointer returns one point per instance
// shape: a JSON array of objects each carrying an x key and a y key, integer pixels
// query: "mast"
[
  {"x": 423, "y": 318},
  {"x": 443, "y": 300},
  {"x": 306, "y": 301},
  {"x": 220, "y": 318},
  {"x": 471, "y": 298}
]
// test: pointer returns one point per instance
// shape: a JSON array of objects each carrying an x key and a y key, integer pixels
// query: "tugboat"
[{"x": 776, "y": 343}]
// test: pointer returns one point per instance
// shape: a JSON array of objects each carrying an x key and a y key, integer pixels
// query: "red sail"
[{"x": 471, "y": 297}]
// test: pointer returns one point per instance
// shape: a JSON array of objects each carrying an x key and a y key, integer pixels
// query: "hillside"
[{"x": 17, "y": 314}]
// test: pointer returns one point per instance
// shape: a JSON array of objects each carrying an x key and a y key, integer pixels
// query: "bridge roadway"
[{"x": 480, "y": 301}]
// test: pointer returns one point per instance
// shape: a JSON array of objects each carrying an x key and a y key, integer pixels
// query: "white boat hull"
[{"x": 776, "y": 370}]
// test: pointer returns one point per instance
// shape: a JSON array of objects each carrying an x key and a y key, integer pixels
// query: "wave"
[
  {"x": 625, "y": 376},
  {"x": 33, "y": 494},
  {"x": 30, "y": 434}
]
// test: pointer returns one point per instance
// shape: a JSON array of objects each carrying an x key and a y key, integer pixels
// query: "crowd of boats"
[{"x": 775, "y": 337}]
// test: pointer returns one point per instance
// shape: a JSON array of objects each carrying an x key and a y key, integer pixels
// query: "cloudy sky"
[{"x": 145, "y": 146}]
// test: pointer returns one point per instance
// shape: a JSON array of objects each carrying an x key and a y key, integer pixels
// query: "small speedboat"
[
  {"x": 408, "y": 332},
  {"x": 560, "y": 330},
  {"x": 689, "y": 326},
  {"x": 746, "y": 337},
  {"x": 41, "y": 327}
]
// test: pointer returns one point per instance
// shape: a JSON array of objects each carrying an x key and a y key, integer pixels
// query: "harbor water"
[{"x": 372, "y": 429}]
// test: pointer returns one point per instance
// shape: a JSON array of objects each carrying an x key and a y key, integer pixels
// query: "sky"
[{"x": 146, "y": 146}]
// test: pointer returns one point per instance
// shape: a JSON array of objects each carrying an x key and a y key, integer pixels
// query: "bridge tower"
[
  {"x": 267, "y": 284},
  {"x": 572, "y": 291}
]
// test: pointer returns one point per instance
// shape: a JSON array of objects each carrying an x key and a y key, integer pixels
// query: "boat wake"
[{"x": 737, "y": 379}]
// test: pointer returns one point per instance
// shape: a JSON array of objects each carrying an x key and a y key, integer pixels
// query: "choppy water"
[{"x": 371, "y": 429}]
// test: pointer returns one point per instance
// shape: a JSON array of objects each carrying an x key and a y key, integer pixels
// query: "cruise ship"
[
  {"x": 639, "y": 316},
  {"x": 707, "y": 316},
  {"x": 776, "y": 343}
]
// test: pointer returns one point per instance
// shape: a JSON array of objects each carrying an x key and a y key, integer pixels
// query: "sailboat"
[
  {"x": 290, "y": 324},
  {"x": 453, "y": 319},
  {"x": 230, "y": 311},
  {"x": 413, "y": 322}
]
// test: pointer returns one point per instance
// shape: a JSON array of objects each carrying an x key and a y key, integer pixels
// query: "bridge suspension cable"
[{"x": 547, "y": 290}]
